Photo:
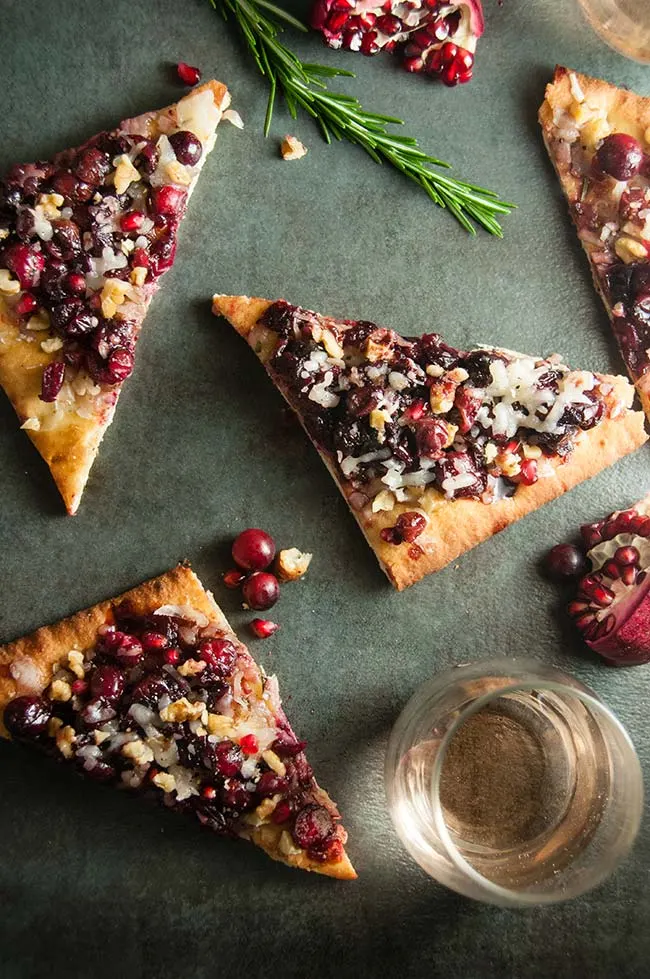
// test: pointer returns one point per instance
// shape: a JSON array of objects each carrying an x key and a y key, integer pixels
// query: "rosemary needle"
[{"x": 304, "y": 86}]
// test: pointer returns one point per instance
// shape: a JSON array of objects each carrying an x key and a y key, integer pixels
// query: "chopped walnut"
[
  {"x": 266, "y": 807},
  {"x": 60, "y": 690},
  {"x": 220, "y": 725},
  {"x": 138, "y": 752},
  {"x": 292, "y": 149},
  {"x": 124, "y": 174},
  {"x": 64, "y": 740},
  {"x": 54, "y": 725},
  {"x": 275, "y": 764},
  {"x": 191, "y": 667},
  {"x": 291, "y": 564},
  {"x": 286, "y": 846},
  {"x": 164, "y": 781},
  {"x": 442, "y": 394},
  {"x": 182, "y": 710},
  {"x": 76, "y": 663},
  {"x": 8, "y": 286}
]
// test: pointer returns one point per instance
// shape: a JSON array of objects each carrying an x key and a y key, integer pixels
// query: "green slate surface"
[{"x": 94, "y": 883}]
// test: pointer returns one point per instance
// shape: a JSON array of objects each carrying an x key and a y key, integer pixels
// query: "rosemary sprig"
[{"x": 303, "y": 86}]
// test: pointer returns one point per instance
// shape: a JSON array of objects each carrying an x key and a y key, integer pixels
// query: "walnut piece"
[
  {"x": 291, "y": 564},
  {"x": 292, "y": 149}
]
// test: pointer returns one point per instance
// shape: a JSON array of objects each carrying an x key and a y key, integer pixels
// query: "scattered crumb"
[{"x": 292, "y": 149}]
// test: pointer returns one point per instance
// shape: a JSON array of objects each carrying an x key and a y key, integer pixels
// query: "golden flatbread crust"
[
  {"x": 27, "y": 664},
  {"x": 455, "y": 526},
  {"x": 67, "y": 441},
  {"x": 627, "y": 112}
]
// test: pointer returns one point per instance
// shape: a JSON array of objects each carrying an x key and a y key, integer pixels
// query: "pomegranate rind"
[{"x": 629, "y": 643}]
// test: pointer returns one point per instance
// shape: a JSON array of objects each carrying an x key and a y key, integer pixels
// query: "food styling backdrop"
[{"x": 94, "y": 883}]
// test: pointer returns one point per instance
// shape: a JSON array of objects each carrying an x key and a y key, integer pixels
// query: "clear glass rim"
[{"x": 506, "y": 894}]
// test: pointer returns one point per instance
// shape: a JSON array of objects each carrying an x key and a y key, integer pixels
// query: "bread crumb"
[{"x": 292, "y": 149}]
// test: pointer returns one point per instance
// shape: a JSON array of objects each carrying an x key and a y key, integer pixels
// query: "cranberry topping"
[
  {"x": 52, "y": 381},
  {"x": 107, "y": 682},
  {"x": 620, "y": 156},
  {"x": 261, "y": 590},
  {"x": 27, "y": 717},
  {"x": 187, "y": 147},
  {"x": 313, "y": 827},
  {"x": 219, "y": 654},
  {"x": 26, "y": 263},
  {"x": 565, "y": 561},
  {"x": 253, "y": 549}
]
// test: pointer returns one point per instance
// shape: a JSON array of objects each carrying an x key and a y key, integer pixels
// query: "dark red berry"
[
  {"x": 620, "y": 156},
  {"x": 234, "y": 578},
  {"x": 26, "y": 264},
  {"x": 153, "y": 641},
  {"x": 253, "y": 549},
  {"x": 187, "y": 147},
  {"x": 168, "y": 199},
  {"x": 188, "y": 74},
  {"x": 79, "y": 686},
  {"x": 270, "y": 783},
  {"x": 565, "y": 561},
  {"x": 27, "y": 717},
  {"x": 172, "y": 656},
  {"x": 261, "y": 590},
  {"x": 27, "y": 305},
  {"x": 107, "y": 682},
  {"x": 52, "y": 381},
  {"x": 313, "y": 826},
  {"x": 220, "y": 654},
  {"x": 119, "y": 366}
]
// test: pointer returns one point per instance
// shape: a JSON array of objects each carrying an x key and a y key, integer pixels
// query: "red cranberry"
[
  {"x": 270, "y": 783},
  {"x": 220, "y": 654},
  {"x": 233, "y": 578},
  {"x": 27, "y": 717},
  {"x": 79, "y": 686},
  {"x": 172, "y": 656},
  {"x": 263, "y": 628},
  {"x": 80, "y": 324},
  {"x": 282, "y": 812},
  {"x": 75, "y": 283},
  {"x": 565, "y": 561},
  {"x": 161, "y": 255},
  {"x": 235, "y": 796},
  {"x": 431, "y": 437},
  {"x": 119, "y": 366},
  {"x": 224, "y": 758},
  {"x": 126, "y": 650},
  {"x": 408, "y": 527},
  {"x": 188, "y": 74},
  {"x": 153, "y": 641},
  {"x": 140, "y": 259},
  {"x": 168, "y": 199},
  {"x": 253, "y": 549},
  {"x": 92, "y": 166},
  {"x": 107, "y": 682},
  {"x": 287, "y": 745},
  {"x": 27, "y": 304},
  {"x": 187, "y": 147},
  {"x": 261, "y": 590},
  {"x": 620, "y": 156},
  {"x": 26, "y": 264},
  {"x": 249, "y": 744},
  {"x": 147, "y": 159},
  {"x": 73, "y": 190},
  {"x": 313, "y": 826},
  {"x": 52, "y": 381},
  {"x": 101, "y": 771},
  {"x": 132, "y": 221}
]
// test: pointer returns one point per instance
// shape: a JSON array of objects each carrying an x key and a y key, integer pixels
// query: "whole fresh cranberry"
[
  {"x": 168, "y": 199},
  {"x": 269, "y": 783},
  {"x": 27, "y": 717},
  {"x": 220, "y": 654},
  {"x": 565, "y": 561},
  {"x": 187, "y": 147},
  {"x": 253, "y": 549},
  {"x": 261, "y": 590},
  {"x": 26, "y": 264},
  {"x": 107, "y": 682},
  {"x": 313, "y": 826},
  {"x": 620, "y": 156}
]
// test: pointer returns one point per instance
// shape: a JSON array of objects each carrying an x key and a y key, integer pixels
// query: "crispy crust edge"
[
  {"x": 49, "y": 646},
  {"x": 70, "y": 448},
  {"x": 633, "y": 108},
  {"x": 454, "y": 527}
]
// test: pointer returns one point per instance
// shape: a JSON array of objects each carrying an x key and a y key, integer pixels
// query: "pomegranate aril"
[
  {"x": 172, "y": 656},
  {"x": 27, "y": 304},
  {"x": 52, "y": 381},
  {"x": 234, "y": 578},
  {"x": 577, "y": 608},
  {"x": 602, "y": 596},
  {"x": 337, "y": 20},
  {"x": 388, "y": 24},
  {"x": 249, "y": 744},
  {"x": 188, "y": 74},
  {"x": 209, "y": 792},
  {"x": 592, "y": 534},
  {"x": 75, "y": 284},
  {"x": 368, "y": 20},
  {"x": 282, "y": 812},
  {"x": 627, "y": 555},
  {"x": 79, "y": 686},
  {"x": 132, "y": 221},
  {"x": 628, "y": 575},
  {"x": 263, "y": 628},
  {"x": 529, "y": 472},
  {"x": 369, "y": 43},
  {"x": 611, "y": 570},
  {"x": 153, "y": 641}
]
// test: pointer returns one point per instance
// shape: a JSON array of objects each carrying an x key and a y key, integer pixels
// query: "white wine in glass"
[{"x": 623, "y": 24}]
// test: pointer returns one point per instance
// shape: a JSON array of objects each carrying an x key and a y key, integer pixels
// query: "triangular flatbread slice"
[
  {"x": 583, "y": 120},
  {"x": 84, "y": 239},
  {"x": 153, "y": 692},
  {"x": 435, "y": 449}
]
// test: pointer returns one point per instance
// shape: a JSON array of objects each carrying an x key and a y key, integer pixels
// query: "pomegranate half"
[
  {"x": 612, "y": 607},
  {"x": 432, "y": 36}
]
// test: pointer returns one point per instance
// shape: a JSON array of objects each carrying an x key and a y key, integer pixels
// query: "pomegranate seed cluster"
[
  {"x": 172, "y": 707},
  {"x": 83, "y": 241},
  {"x": 397, "y": 416},
  {"x": 612, "y": 215},
  {"x": 253, "y": 552},
  {"x": 612, "y": 605},
  {"x": 435, "y": 37}
]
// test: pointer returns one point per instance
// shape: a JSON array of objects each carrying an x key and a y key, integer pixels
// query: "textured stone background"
[{"x": 94, "y": 884}]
